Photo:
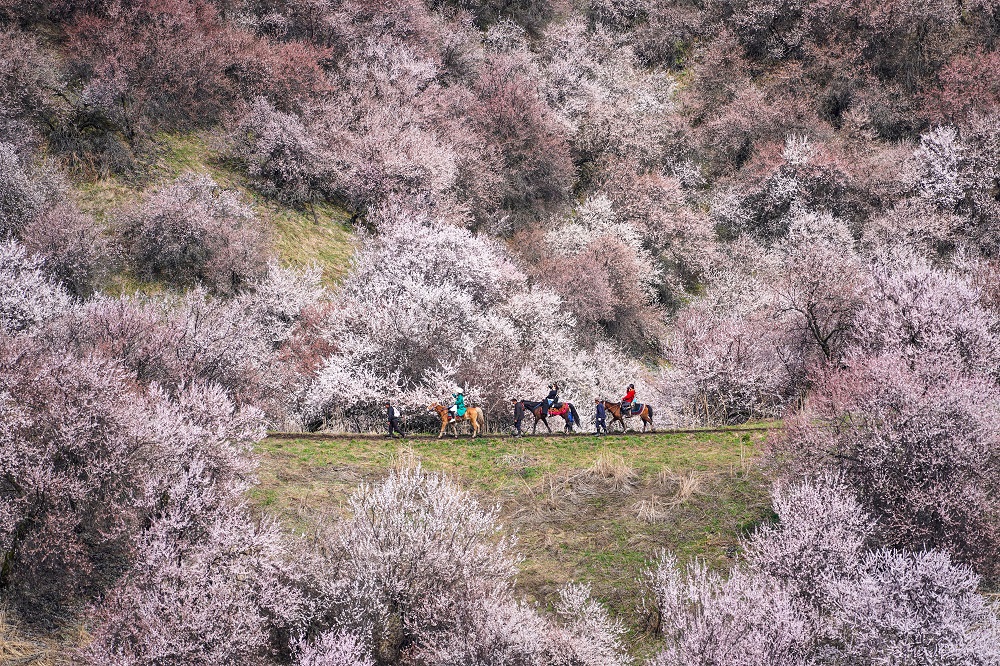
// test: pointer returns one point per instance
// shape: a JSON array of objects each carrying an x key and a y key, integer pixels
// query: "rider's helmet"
[
  {"x": 631, "y": 385},
  {"x": 458, "y": 389}
]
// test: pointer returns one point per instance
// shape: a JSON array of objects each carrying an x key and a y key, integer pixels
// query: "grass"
[
  {"x": 320, "y": 235},
  {"x": 584, "y": 509},
  {"x": 22, "y": 646}
]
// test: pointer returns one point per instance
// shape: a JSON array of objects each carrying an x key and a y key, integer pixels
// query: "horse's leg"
[
  {"x": 546, "y": 422},
  {"x": 444, "y": 424}
]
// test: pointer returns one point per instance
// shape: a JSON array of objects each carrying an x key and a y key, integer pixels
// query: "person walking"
[
  {"x": 518, "y": 417},
  {"x": 600, "y": 414},
  {"x": 394, "y": 417}
]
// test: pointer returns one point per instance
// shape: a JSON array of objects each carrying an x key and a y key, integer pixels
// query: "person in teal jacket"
[{"x": 458, "y": 409}]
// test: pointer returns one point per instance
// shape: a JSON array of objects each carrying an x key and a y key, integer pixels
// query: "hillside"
[
  {"x": 319, "y": 234},
  {"x": 584, "y": 509},
  {"x": 221, "y": 219}
]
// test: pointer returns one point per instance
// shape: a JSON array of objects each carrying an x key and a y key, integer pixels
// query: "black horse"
[{"x": 540, "y": 410}]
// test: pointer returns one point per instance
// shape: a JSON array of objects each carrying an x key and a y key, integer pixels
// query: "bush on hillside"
[
  {"x": 811, "y": 591},
  {"x": 194, "y": 232},
  {"x": 917, "y": 441}
]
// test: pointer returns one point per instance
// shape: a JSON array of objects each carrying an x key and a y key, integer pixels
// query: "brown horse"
[
  {"x": 473, "y": 415},
  {"x": 615, "y": 409},
  {"x": 541, "y": 412}
]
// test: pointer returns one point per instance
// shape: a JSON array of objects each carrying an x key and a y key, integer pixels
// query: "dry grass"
[
  {"x": 651, "y": 510},
  {"x": 519, "y": 463},
  {"x": 614, "y": 470},
  {"x": 684, "y": 485},
  {"x": 18, "y": 648},
  {"x": 406, "y": 457}
]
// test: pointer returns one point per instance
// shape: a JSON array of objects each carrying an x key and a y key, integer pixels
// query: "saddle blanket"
[
  {"x": 559, "y": 412},
  {"x": 636, "y": 408}
]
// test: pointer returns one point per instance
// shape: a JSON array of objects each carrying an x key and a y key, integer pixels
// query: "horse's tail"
[
  {"x": 649, "y": 412},
  {"x": 576, "y": 417}
]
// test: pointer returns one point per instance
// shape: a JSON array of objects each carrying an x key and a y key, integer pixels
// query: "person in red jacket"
[{"x": 627, "y": 400}]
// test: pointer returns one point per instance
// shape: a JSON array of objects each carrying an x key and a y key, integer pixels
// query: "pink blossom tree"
[
  {"x": 809, "y": 591},
  {"x": 914, "y": 439},
  {"x": 28, "y": 296},
  {"x": 191, "y": 232}
]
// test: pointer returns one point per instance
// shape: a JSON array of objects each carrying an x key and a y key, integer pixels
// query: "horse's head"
[{"x": 436, "y": 407}]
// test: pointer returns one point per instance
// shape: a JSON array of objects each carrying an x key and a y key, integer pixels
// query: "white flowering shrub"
[
  {"x": 72, "y": 246},
  {"x": 428, "y": 306},
  {"x": 810, "y": 592},
  {"x": 914, "y": 439},
  {"x": 20, "y": 197},
  {"x": 941, "y": 178},
  {"x": 28, "y": 296},
  {"x": 88, "y": 458},
  {"x": 280, "y": 155}
]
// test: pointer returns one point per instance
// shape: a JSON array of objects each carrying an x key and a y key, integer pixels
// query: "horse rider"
[
  {"x": 458, "y": 409},
  {"x": 552, "y": 399},
  {"x": 628, "y": 399}
]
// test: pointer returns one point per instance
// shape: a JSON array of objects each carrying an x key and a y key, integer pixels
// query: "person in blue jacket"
[{"x": 599, "y": 417}]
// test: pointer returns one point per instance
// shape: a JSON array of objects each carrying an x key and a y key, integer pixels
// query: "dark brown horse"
[
  {"x": 541, "y": 412},
  {"x": 615, "y": 410}
]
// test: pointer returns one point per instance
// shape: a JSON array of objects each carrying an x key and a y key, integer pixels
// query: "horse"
[
  {"x": 473, "y": 415},
  {"x": 540, "y": 410},
  {"x": 615, "y": 409}
]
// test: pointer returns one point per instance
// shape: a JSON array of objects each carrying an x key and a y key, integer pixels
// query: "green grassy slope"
[
  {"x": 299, "y": 237},
  {"x": 584, "y": 509}
]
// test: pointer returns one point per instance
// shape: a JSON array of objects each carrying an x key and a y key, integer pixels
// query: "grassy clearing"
[
  {"x": 300, "y": 237},
  {"x": 585, "y": 509}
]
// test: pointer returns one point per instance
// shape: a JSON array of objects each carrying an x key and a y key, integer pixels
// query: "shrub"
[
  {"x": 404, "y": 349},
  {"x": 29, "y": 79},
  {"x": 968, "y": 85},
  {"x": 72, "y": 436},
  {"x": 191, "y": 232},
  {"x": 924, "y": 314},
  {"x": 88, "y": 458},
  {"x": 27, "y": 296},
  {"x": 200, "y": 599},
  {"x": 194, "y": 338},
  {"x": 810, "y": 592},
  {"x": 280, "y": 155},
  {"x": 425, "y": 577},
  {"x": 732, "y": 354},
  {"x": 20, "y": 197},
  {"x": 819, "y": 284},
  {"x": 916, "y": 440},
  {"x": 422, "y": 547},
  {"x": 605, "y": 275},
  {"x": 176, "y": 64},
  {"x": 536, "y": 167},
  {"x": 72, "y": 247}
]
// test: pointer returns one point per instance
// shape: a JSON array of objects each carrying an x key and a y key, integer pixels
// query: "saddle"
[
  {"x": 633, "y": 409},
  {"x": 561, "y": 411}
]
